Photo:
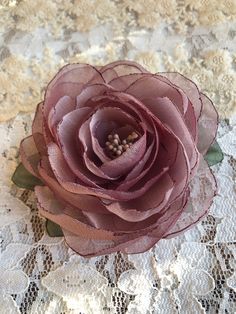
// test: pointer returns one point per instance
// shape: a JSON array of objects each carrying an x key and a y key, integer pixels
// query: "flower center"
[{"x": 117, "y": 147}]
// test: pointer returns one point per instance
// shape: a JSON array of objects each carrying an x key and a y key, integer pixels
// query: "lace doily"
[{"x": 193, "y": 273}]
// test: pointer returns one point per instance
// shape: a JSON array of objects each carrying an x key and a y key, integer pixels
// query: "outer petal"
[
  {"x": 67, "y": 217},
  {"x": 70, "y": 81},
  {"x": 81, "y": 201},
  {"x": 189, "y": 113},
  {"x": 157, "y": 232},
  {"x": 29, "y": 155},
  {"x": 119, "y": 68},
  {"x": 202, "y": 191},
  {"x": 134, "y": 243},
  {"x": 143, "y": 85},
  {"x": 207, "y": 125},
  {"x": 38, "y": 131},
  {"x": 189, "y": 88}
]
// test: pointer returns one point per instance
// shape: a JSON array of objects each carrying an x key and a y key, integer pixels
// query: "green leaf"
[
  {"x": 53, "y": 229},
  {"x": 24, "y": 179},
  {"x": 214, "y": 154}
]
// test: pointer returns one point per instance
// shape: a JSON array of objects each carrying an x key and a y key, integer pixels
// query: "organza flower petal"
[
  {"x": 38, "y": 130},
  {"x": 49, "y": 209},
  {"x": 207, "y": 125},
  {"x": 202, "y": 191},
  {"x": 67, "y": 135},
  {"x": 189, "y": 88},
  {"x": 81, "y": 201},
  {"x": 70, "y": 81},
  {"x": 91, "y": 91},
  {"x": 168, "y": 114},
  {"x": 29, "y": 155},
  {"x": 61, "y": 108},
  {"x": 122, "y": 67}
]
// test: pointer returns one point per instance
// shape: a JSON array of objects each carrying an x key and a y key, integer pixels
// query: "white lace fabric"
[{"x": 192, "y": 273}]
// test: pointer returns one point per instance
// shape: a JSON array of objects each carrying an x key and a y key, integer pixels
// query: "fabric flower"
[{"x": 120, "y": 151}]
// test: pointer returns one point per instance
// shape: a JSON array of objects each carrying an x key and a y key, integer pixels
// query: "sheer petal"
[
  {"x": 123, "y": 67},
  {"x": 189, "y": 88},
  {"x": 207, "y": 125},
  {"x": 67, "y": 135},
  {"x": 136, "y": 242},
  {"x": 168, "y": 114},
  {"x": 158, "y": 230},
  {"x": 61, "y": 108},
  {"x": 29, "y": 155},
  {"x": 38, "y": 131},
  {"x": 70, "y": 81},
  {"x": 202, "y": 191},
  {"x": 189, "y": 113},
  {"x": 146, "y": 205},
  {"x": 81, "y": 201},
  {"x": 91, "y": 91},
  {"x": 58, "y": 213}
]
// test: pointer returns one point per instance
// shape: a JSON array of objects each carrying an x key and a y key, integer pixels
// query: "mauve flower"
[{"x": 120, "y": 151}]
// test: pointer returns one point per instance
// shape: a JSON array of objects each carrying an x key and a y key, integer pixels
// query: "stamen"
[
  {"x": 115, "y": 141},
  {"x": 117, "y": 147}
]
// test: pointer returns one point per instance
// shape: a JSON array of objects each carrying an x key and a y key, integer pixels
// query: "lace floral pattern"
[
  {"x": 200, "y": 44},
  {"x": 192, "y": 273}
]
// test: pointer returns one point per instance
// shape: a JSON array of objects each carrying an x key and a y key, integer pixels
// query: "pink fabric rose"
[{"x": 120, "y": 151}]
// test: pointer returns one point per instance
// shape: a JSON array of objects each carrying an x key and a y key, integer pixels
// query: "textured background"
[{"x": 194, "y": 273}]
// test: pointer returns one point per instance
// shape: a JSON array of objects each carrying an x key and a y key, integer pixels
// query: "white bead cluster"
[{"x": 116, "y": 146}]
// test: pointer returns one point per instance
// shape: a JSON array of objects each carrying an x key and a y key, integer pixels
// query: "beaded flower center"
[{"x": 117, "y": 147}]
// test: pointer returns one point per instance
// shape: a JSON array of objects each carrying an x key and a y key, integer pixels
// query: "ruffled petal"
[
  {"x": 120, "y": 68},
  {"x": 67, "y": 135},
  {"x": 143, "y": 85},
  {"x": 60, "y": 90},
  {"x": 203, "y": 188},
  {"x": 155, "y": 85},
  {"x": 29, "y": 155},
  {"x": 81, "y": 201},
  {"x": 38, "y": 131},
  {"x": 146, "y": 205},
  {"x": 61, "y": 108},
  {"x": 70, "y": 183},
  {"x": 207, "y": 125},
  {"x": 189, "y": 88},
  {"x": 67, "y": 218},
  {"x": 70, "y": 81},
  {"x": 168, "y": 114},
  {"x": 166, "y": 222},
  {"x": 189, "y": 113},
  {"x": 91, "y": 91},
  {"x": 136, "y": 242}
]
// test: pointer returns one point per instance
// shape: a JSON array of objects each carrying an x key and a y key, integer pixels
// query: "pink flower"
[{"x": 120, "y": 151}]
